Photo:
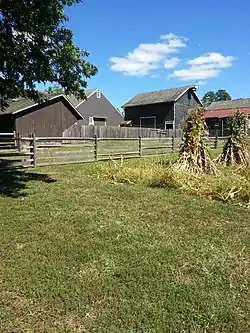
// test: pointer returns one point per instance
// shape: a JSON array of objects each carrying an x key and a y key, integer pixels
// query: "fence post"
[
  {"x": 15, "y": 138},
  {"x": 96, "y": 148},
  {"x": 33, "y": 149},
  {"x": 18, "y": 141},
  {"x": 216, "y": 141},
  {"x": 173, "y": 144},
  {"x": 140, "y": 148}
]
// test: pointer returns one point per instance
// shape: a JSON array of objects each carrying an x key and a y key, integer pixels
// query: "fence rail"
[
  {"x": 11, "y": 154},
  {"x": 112, "y": 132},
  {"x": 39, "y": 151}
]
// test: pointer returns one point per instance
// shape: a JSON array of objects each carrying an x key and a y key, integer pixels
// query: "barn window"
[
  {"x": 98, "y": 121},
  {"x": 98, "y": 94},
  {"x": 169, "y": 125},
  {"x": 189, "y": 95},
  {"x": 148, "y": 122},
  {"x": 91, "y": 121}
]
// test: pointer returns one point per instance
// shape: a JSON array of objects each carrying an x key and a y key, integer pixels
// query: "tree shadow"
[{"x": 13, "y": 180}]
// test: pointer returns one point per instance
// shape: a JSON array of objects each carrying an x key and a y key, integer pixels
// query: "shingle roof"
[
  {"x": 18, "y": 104},
  {"x": 23, "y": 103},
  {"x": 232, "y": 104},
  {"x": 160, "y": 96}
]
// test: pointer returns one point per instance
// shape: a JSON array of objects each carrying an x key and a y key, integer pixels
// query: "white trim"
[
  {"x": 149, "y": 117},
  {"x": 191, "y": 87},
  {"x": 54, "y": 97},
  {"x": 87, "y": 98},
  {"x": 166, "y": 122},
  {"x": 118, "y": 112},
  {"x": 91, "y": 121}
]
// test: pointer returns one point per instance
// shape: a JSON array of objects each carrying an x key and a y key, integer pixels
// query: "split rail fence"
[{"x": 16, "y": 151}]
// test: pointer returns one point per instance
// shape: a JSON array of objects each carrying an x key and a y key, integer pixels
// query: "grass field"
[{"x": 80, "y": 254}]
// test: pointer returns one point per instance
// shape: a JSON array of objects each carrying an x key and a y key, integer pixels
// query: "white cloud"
[
  {"x": 200, "y": 83},
  {"x": 171, "y": 63},
  {"x": 212, "y": 60},
  {"x": 203, "y": 67},
  {"x": 148, "y": 56}
]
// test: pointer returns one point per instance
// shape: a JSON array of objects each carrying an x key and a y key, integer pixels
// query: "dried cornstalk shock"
[
  {"x": 235, "y": 150},
  {"x": 194, "y": 156}
]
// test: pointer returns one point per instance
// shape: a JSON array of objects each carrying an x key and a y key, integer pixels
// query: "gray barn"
[
  {"x": 165, "y": 109},
  {"x": 97, "y": 110},
  {"x": 58, "y": 113},
  {"x": 49, "y": 118}
]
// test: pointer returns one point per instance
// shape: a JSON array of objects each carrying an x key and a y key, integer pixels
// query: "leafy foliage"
[
  {"x": 36, "y": 47},
  {"x": 235, "y": 150},
  {"x": 220, "y": 95},
  {"x": 193, "y": 154},
  {"x": 208, "y": 98}
]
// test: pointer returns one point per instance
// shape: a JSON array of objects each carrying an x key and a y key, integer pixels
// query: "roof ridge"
[
  {"x": 155, "y": 91},
  {"x": 158, "y": 96}
]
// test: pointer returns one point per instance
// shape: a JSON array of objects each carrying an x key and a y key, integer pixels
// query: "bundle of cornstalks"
[
  {"x": 235, "y": 150},
  {"x": 194, "y": 156}
]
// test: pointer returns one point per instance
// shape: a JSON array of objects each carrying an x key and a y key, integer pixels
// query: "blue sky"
[{"x": 141, "y": 46}]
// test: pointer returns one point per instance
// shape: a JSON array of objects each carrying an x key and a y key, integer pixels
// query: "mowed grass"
[{"x": 80, "y": 254}]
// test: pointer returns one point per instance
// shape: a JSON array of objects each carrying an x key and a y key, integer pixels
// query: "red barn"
[{"x": 218, "y": 113}]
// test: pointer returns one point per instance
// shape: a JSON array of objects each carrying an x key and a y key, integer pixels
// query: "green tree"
[
  {"x": 222, "y": 95},
  {"x": 36, "y": 47},
  {"x": 54, "y": 90},
  {"x": 209, "y": 98}
]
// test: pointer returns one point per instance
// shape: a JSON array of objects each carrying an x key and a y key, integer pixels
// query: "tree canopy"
[
  {"x": 209, "y": 98},
  {"x": 220, "y": 95},
  {"x": 36, "y": 47}
]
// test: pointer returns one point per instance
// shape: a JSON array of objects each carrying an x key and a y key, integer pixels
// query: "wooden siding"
[
  {"x": 86, "y": 131},
  {"x": 183, "y": 105},
  {"x": 218, "y": 126},
  {"x": 49, "y": 120},
  {"x": 162, "y": 111},
  {"x": 100, "y": 108},
  {"x": 171, "y": 111}
]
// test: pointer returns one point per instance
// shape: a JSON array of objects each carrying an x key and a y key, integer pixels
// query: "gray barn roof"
[
  {"x": 232, "y": 104},
  {"x": 23, "y": 103},
  {"x": 160, "y": 96}
]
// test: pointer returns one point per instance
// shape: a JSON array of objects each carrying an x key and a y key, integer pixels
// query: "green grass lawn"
[{"x": 80, "y": 254}]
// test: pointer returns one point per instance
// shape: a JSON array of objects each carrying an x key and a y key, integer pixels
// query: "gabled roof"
[
  {"x": 160, "y": 96},
  {"x": 20, "y": 104},
  {"x": 232, "y": 104}
]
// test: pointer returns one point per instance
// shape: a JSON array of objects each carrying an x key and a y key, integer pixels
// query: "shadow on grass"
[{"x": 13, "y": 181}]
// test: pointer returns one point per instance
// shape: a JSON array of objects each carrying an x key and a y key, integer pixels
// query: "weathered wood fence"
[
  {"x": 89, "y": 131},
  {"x": 16, "y": 151},
  {"x": 11, "y": 154}
]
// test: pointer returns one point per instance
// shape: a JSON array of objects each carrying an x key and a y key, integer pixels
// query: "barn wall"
[
  {"x": 7, "y": 123},
  {"x": 186, "y": 102},
  {"x": 100, "y": 108},
  {"x": 49, "y": 120},
  {"x": 218, "y": 126},
  {"x": 162, "y": 111}
]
